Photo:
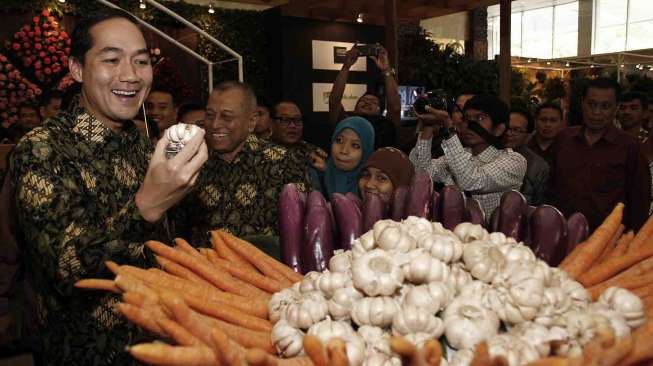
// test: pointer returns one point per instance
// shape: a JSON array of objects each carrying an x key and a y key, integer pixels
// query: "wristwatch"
[{"x": 389, "y": 72}]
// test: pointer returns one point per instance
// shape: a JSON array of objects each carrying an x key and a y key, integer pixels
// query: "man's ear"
[
  {"x": 75, "y": 69},
  {"x": 500, "y": 129},
  {"x": 253, "y": 119}
]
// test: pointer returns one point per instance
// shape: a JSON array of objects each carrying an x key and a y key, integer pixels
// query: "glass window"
[
  {"x": 640, "y": 25},
  {"x": 565, "y": 30},
  {"x": 515, "y": 33},
  {"x": 538, "y": 33},
  {"x": 622, "y": 25}
]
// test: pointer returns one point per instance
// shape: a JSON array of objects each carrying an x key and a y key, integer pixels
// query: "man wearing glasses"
[
  {"x": 597, "y": 165},
  {"x": 537, "y": 170},
  {"x": 474, "y": 157},
  {"x": 288, "y": 129}
]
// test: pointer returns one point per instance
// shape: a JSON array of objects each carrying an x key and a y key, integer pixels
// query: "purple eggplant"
[
  {"x": 525, "y": 231},
  {"x": 334, "y": 225},
  {"x": 474, "y": 212},
  {"x": 291, "y": 226},
  {"x": 354, "y": 198},
  {"x": 419, "y": 195},
  {"x": 399, "y": 201},
  {"x": 548, "y": 229},
  {"x": 511, "y": 211},
  {"x": 374, "y": 209},
  {"x": 318, "y": 234},
  {"x": 436, "y": 210},
  {"x": 494, "y": 220},
  {"x": 452, "y": 206},
  {"x": 577, "y": 230},
  {"x": 349, "y": 220}
]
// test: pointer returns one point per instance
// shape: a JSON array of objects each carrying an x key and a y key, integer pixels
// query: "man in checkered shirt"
[{"x": 474, "y": 158}]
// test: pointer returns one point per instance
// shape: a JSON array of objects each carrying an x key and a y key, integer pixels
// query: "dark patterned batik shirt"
[
  {"x": 76, "y": 182},
  {"x": 241, "y": 197}
]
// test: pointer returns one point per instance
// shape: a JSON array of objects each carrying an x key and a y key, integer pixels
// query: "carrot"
[
  {"x": 230, "y": 352},
  {"x": 187, "y": 248},
  {"x": 246, "y": 337},
  {"x": 337, "y": 352},
  {"x": 402, "y": 347},
  {"x": 586, "y": 253},
  {"x": 128, "y": 283},
  {"x": 315, "y": 350},
  {"x": 139, "y": 300},
  {"x": 643, "y": 235},
  {"x": 258, "y": 357},
  {"x": 180, "y": 271},
  {"x": 210, "y": 295},
  {"x": 205, "y": 253},
  {"x": 614, "y": 265},
  {"x": 629, "y": 282},
  {"x": 178, "y": 333},
  {"x": 481, "y": 355},
  {"x": 550, "y": 361},
  {"x": 252, "y": 254},
  {"x": 228, "y": 314},
  {"x": 226, "y": 253},
  {"x": 612, "y": 245},
  {"x": 218, "y": 278},
  {"x": 432, "y": 352},
  {"x": 140, "y": 317},
  {"x": 98, "y": 284},
  {"x": 644, "y": 291},
  {"x": 112, "y": 266},
  {"x": 187, "y": 318},
  {"x": 295, "y": 361},
  {"x": 165, "y": 355},
  {"x": 255, "y": 278},
  {"x": 638, "y": 269},
  {"x": 617, "y": 352},
  {"x": 623, "y": 244}
]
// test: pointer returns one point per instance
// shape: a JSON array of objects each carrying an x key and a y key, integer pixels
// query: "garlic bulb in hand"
[{"x": 178, "y": 135}]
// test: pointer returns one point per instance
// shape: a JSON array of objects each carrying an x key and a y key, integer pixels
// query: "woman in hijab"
[
  {"x": 387, "y": 169},
  {"x": 352, "y": 143}
]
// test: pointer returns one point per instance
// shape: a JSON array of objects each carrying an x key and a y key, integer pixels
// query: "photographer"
[
  {"x": 369, "y": 106},
  {"x": 474, "y": 158}
]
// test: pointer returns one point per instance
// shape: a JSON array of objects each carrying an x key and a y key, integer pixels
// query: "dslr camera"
[
  {"x": 368, "y": 50},
  {"x": 436, "y": 99}
]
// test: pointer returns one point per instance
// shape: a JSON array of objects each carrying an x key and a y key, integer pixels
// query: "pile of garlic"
[{"x": 418, "y": 280}]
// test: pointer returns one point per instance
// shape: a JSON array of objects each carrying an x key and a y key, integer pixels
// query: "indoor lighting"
[
  {"x": 592, "y": 66},
  {"x": 360, "y": 18},
  {"x": 548, "y": 62},
  {"x": 529, "y": 61},
  {"x": 567, "y": 64},
  {"x": 211, "y": 10},
  {"x": 622, "y": 66},
  {"x": 142, "y": 5},
  {"x": 62, "y": 1}
]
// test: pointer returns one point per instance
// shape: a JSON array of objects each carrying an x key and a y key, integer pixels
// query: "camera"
[
  {"x": 368, "y": 50},
  {"x": 436, "y": 99}
]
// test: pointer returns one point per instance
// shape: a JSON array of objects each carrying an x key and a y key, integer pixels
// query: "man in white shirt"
[{"x": 474, "y": 157}]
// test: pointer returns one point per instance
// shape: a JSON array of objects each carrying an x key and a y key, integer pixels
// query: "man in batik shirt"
[
  {"x": 239, "y": 186},
  {"x": 85, "y": 193}
]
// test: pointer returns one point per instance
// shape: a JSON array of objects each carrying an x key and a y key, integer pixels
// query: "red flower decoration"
[
  {"x": 36, "y": 19},
  {"x": 15, "y": 46},
  {"x": 51, "y": 49},
  {"x": 38, "y": 46},
  {"x": 47, "y": 71},
  {"x": 45, "y": 12},
  {"x": 47, "y": 61}
]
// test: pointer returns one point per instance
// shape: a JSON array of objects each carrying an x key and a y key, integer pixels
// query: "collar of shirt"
[{"x": 609, "y": 136}]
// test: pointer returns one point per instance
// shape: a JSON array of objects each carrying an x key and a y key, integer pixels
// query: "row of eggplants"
[{"x": 311, "y": 228}]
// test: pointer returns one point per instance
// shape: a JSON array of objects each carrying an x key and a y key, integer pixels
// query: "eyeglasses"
[{"x": 286, "y": 121}]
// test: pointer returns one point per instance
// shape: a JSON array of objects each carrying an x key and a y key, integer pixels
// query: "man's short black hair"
[
  {"x": 28, "y": 105},
  {"x": 633, "y": 95},
  {"x": 554, "y": 106},
  {"x": 263, "y": 101},
  {"x": 530, "y": 126},
  {"x": 491, "y": 105},
  {"x": 50, "y": 94},
  {"x": 273, "y": 111},
  {"x": 81, "y": 39},
  {"x": 189, "y": 107},
  {"x": 603, "y": 83},
  {"x": 249, "y": 101},
  {"x": 165, "y": 90}
]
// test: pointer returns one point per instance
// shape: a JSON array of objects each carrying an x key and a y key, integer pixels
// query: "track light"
[
  {"x": 548, "y": 62},
  {"x": 567, "y": 64},
  {"x": 142, "y": 5},
  {"x": 211, "y": 10},
  {"x": 622, "y": 66},
  {"x": 62, "y": 1},
  {"x": 529, "y": 61},
  {"x": 591, "y": 66},
  {"x": 360, "y": 18}
]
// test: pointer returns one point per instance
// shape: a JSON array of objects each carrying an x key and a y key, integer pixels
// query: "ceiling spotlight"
[
  {"x": 62, "y": 1},
  {"x": 548, "y": 62},
  {"x": 567, "y": 64},
  {"x": 529, "y": 61},
  {"x": 592, "y": 66},
  {"x": 638, "y": 66},
  {"x": 142, "y": 5},
  {"x": 211, "y": 10},
  {"x": 622, "y": 66},
  {"x": 360, "y": 18}
]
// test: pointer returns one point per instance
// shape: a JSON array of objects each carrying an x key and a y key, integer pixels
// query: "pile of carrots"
[{"x": 209, "y": 305}]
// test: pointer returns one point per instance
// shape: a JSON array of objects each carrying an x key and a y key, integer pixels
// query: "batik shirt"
[
  {"x": 76, "y": 182},
  {"x": 241, "y": 196}
]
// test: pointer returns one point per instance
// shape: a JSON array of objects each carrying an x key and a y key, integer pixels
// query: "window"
[
  {"x": 622, "y": 25},
  {"x": 539, "y": 29}
]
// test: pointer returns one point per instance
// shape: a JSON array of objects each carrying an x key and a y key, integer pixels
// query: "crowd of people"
[{"x": 89, "y": 181}]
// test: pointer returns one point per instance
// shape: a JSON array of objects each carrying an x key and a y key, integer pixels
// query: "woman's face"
[
  {"x": 375, "y": 181},
  {"x": 347, "y": 150}
]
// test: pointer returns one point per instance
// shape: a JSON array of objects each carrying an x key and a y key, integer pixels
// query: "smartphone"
[{"x": 367, "y": 50}]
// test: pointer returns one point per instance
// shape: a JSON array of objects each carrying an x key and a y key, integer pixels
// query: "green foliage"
[{"x": 424, "y": 62}]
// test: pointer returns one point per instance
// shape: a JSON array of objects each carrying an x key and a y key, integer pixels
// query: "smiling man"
[
  {"x": 597, "y": 165},
  {"x": 161, "y": 107},
  {"x": 239, "y": 187},
  {"x": 86, "y": 194}
]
